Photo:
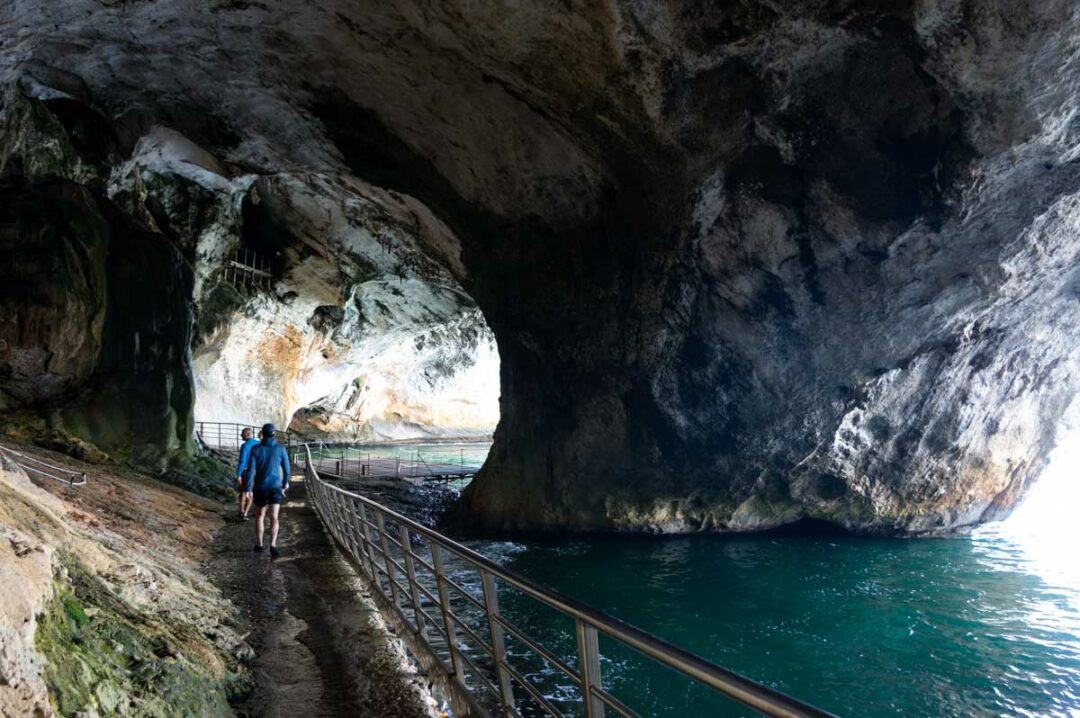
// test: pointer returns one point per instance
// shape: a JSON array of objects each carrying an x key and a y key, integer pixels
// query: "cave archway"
[
  {"x": 734, "y": 283},
  {"x": 362, "y": 332}
]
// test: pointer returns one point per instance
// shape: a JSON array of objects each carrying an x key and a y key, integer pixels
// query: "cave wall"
[
  {"x": 745, "y": 262},
  {"x": 97, "y": 312},
  {"x": 118, "y": 270},
  {"x": 439, "y": 383},
  {"x": 365, "y": 330}
]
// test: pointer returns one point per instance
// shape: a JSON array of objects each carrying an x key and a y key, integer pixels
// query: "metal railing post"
[
  {"x": 365, "y": 525},
  {"x": 500, "y": 677},
  {"x": 385, "y": 543},
  {"x": 363, "y": 557},
  {"x": 498, "y": 642},
  {"x": 335, "y": 516},
  {"x": 410, "y": 572},
  {"x": 589, "y": 665},
  {"x": 445, "y": 609},
  {"x": 349, "y": 517}
]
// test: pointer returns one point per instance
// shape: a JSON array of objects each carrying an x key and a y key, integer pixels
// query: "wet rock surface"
[
  {"x": 103, "y": 608},
  {"x": 320, "y": 647},
  {"x": 746, "y": 263}
]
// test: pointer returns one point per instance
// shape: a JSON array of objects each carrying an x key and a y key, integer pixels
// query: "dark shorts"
[{"x": 268, "y": 496}]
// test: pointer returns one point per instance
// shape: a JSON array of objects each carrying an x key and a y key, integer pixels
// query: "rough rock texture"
[
  {"x": 26, "y": 586},
  {"x": 103, "y": 610},
  {"x": 96, "y": 314},
  {"x": 366, "y": 327},
  {"x": 746, "y": 262},
  {"x": 359, "y": 326}
]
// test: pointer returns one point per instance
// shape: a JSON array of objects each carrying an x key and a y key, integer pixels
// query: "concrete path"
[{"x": 321, "y": 648}]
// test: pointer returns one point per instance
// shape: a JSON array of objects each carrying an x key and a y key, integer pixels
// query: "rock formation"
[
  {"x": 745, "y": 262},
  {"x": 103, "y": 609}
]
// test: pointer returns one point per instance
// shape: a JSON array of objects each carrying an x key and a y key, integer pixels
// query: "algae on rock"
[{"x": 102, "y": 655}]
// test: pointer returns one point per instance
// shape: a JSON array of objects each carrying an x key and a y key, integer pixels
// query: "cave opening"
[
  {"x": 364, "y": 335},
  {"x": 1043, "y": 527}
]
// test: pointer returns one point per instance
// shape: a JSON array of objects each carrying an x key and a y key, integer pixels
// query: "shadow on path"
[{"x": 320, "y": 647}]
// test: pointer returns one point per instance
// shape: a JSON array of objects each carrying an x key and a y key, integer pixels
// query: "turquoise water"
[
  {"x": 984, "y": 625},
  {"x": 861, "y": 627},
  {"x": 470, "y": 453}
]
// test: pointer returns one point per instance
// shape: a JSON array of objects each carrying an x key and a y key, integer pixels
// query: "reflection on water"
[
  {"x": 982, "y": 625},
  {"x": 986, "y": 625},
  {"x": 1043, "y": 535}
]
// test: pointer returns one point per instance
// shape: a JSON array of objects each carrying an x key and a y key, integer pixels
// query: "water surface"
[
  {"x": 983, "y": 625},
  {"x": 860, "y": 626}
]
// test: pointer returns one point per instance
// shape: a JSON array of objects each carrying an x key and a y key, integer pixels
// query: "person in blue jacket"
[
  {"x": 268, "y": 466},
  {"x": 243, "y": 484}
]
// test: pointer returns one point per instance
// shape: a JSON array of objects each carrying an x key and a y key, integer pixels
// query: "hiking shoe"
[
  {"x": 274, "y": 552},
  {"x": 245, "y": 517},
  {"x": 258, "y": 548}
]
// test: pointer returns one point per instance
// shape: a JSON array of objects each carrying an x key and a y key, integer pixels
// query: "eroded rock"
[
  {"x": 102, "y": 605},
  {"x": 745, "y": 262}
]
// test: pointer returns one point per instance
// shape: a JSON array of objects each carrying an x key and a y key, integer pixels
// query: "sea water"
[
  {"x": 974, "y": 626},
  {"x": 979, "y": 625}
]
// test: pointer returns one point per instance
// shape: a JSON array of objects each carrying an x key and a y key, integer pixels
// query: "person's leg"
[
  {"x": 274, "y": 509},
  {"x": 245, "y": 503},
  {"x": 260, "y": 526}
]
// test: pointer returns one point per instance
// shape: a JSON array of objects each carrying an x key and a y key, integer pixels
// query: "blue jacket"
[
  {"x": 265, "y": 459},
  {"x": 245, "y": 451}
]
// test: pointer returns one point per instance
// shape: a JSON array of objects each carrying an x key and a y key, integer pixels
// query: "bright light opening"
[{"x": 1044, "y": 530}]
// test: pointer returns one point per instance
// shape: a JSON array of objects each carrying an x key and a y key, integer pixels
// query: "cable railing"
[
  {"x": 465, "y": 635},
  {"x": 26, "y": 462}
]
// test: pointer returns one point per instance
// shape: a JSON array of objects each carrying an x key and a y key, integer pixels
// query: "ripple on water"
[{"x": 949, "y": 627}]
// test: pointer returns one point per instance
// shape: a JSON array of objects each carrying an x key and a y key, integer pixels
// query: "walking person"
[
  {"x": 268, "y": 463},
  {"x": 243, "y": 483}
]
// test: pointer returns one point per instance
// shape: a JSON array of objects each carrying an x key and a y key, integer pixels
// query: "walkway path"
[{"x": 321, "y": 649}]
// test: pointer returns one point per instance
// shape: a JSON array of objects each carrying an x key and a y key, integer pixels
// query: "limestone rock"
[
  {"x": 367, "y": 331},
  {"x": 102, "y": 580},
  {"x": 26, "y": 585},
  {"x": 745, "y": 262}
]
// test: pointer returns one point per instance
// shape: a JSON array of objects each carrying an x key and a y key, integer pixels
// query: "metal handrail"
[
  {"x": 332, "y": 502},
  {"x": 226, "y": 434},
  {"x": 30, "y": 463},
  {"x": 352, "y": 464}
]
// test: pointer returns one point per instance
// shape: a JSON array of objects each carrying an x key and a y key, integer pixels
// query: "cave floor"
[{"x": 320, "y": 647}]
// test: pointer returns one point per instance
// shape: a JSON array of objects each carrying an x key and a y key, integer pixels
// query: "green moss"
[
  {"x": 30, "y": 427},
  {"x": 103, "y": 655},
  {"x": 848, "y": 513},
  {"x": 203, "y": 474},
  {"x": 75, "y": 612},
  {"x": 24, "y": 426}
]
